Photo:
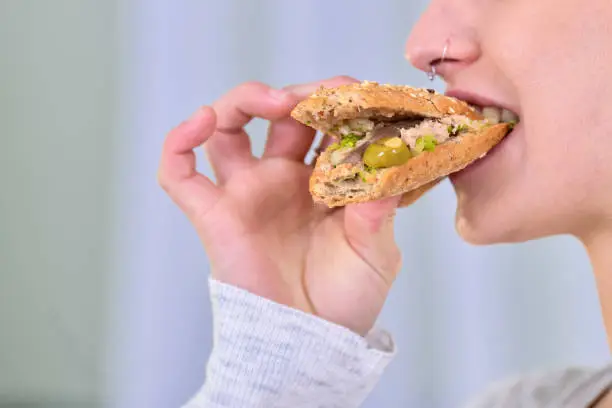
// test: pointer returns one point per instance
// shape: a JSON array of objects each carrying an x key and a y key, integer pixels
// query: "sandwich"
[{"x": 393, "y": 140}]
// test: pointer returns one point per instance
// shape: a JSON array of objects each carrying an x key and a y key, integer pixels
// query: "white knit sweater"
[{"x": 267, "y": 355}]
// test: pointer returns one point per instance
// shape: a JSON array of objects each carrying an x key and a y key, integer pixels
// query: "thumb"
[{"x": 369, "y": 231}]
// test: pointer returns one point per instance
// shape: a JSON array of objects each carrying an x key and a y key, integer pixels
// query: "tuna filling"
[{"x": 388, "y": 144}]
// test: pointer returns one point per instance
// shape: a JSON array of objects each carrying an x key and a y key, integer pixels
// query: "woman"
[{"x": 296, "y": 290}]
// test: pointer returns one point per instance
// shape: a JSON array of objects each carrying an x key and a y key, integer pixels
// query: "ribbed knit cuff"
[{"x": 269, "y": 355}]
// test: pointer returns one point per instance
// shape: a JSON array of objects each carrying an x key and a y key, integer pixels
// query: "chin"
[
  {"x": 478, "y": 231},
  {"x": 485, "y": 212},
  {"x": 482, "y": 231},
  {"x": 482, "y": 219}
]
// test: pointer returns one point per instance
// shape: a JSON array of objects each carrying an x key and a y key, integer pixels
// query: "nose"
[{"x": 442, "y": 26}]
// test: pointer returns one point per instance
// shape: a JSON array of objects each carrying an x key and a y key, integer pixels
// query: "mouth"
[{"x": 493, "y": 111}]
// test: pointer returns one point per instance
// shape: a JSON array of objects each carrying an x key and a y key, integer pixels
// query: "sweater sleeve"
[{"x": 269, "y": 355}]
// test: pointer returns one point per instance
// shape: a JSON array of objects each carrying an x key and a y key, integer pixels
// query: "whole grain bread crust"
[
  {"x": 323, "y": 109},
  {"x": 419, "y": 174}
]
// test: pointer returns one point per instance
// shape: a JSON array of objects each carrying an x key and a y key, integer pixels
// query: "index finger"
[
  {"x": 249, "y": 100},
  {"x": 287, "y": 137},
  {"x": 229, "y": 148},
  {"x": 302, "y": 91}
]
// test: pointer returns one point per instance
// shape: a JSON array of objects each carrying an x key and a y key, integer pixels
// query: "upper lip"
[{"x": 479, "y": 100}]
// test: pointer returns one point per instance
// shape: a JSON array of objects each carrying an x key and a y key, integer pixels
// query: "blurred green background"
[{"x": 57, "y": 92}]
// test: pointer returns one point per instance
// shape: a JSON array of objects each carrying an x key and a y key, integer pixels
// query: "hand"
[{"x": 258, "y": 223}]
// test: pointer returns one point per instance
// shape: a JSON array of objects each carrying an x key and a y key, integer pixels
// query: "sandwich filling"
[{"x": 365, "y": 147}]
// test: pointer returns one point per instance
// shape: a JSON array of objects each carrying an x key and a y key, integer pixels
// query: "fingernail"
[
  {"x": 303, "y": 90},
  {"x": 279, "y": 94}
]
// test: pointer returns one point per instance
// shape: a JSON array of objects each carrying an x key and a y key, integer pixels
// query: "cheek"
[
  {"x": 548, "y": 180},
  {"x": 538, "y": 183},
  {"x": 531, "y": 40},
  {"x": 561, "y": 79},
  {"x": 558, "y": 182}
]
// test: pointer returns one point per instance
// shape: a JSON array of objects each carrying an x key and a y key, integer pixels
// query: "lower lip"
[{"x": 480, "y": 166}]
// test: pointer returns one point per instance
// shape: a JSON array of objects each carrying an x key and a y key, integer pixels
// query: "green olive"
[{"x": 386, "y": 152}]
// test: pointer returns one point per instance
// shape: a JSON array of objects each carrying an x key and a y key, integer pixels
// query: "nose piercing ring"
[{"x": 432, "y": 73}]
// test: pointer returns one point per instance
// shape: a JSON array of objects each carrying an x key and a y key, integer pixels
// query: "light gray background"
[{"x": 103, "y": 282}]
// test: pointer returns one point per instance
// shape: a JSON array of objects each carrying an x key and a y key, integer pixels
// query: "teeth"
[
  {"x": 508, "y": 116},
  {"x": 497, "y": 115},
  {"x": 492, "y": 114}
]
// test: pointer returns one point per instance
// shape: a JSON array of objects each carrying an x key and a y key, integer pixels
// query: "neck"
[{"x": 599, "y": 248}]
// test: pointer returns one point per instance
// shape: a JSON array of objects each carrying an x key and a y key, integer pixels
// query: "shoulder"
[{"x": 571, "y": 386}]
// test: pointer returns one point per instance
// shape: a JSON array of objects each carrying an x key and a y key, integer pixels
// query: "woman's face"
[{"x": 549, "y": 61}]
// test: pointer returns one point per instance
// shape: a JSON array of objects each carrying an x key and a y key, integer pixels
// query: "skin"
[
  {"x": 552, "y": 175},
  {"x": 258, "y": 223}
]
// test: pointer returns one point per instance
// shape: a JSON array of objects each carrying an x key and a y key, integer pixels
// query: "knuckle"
[
  {"x": 250, "y": 86},
  {"x": 238, "y": 95},
  {"x": 162, "y": 181},
  {"x": 174, "y": 132}
]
